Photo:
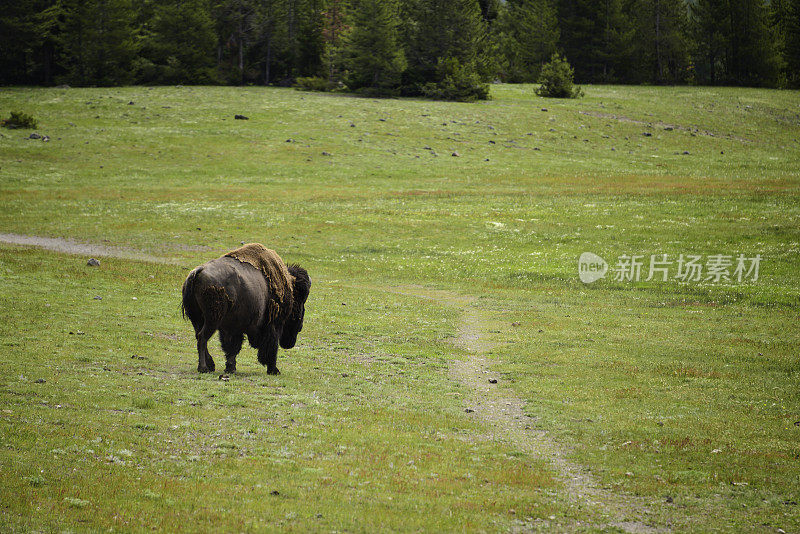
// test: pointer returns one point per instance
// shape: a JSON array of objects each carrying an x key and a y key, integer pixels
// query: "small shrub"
[
  {"x": 315, "y": 83},
  {"x": 144, "y": 70},
  {"x": 19, "y": 119},
  {"x": 557, "y": 79},
  {"x": 459, "y": 83}
]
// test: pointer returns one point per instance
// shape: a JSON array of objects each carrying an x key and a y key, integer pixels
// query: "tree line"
[{"x": 438, "y": 48}]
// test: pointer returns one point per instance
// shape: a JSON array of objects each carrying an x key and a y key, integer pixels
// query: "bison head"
[{"x": 294, "y": 323}]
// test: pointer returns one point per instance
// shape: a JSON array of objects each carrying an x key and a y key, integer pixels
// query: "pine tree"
[
  {"x": 734, "y": 44},
  {"x": 270, "y": 21},
  {"x": 752, "y": 55},
  {"x": 309, "y": 42},
  {"x": 335, "y": 15},
  {"x": 98, "y": 41},
  {"x": 29, "y": 39},
  {"x": 709, "y": 21},
  {"x": 791, "y": 45},
  {"x": 597, "y": 39},
  {"x": 662, "y": 48},
  {"x": 236, "y": 29},
  {"x": 528, "y": 37},
  {"x": 556, "y": 80},
  {"x": 615, "y": 56},
  {"x": 778, "y": 21},
  {"x": 47, "y": 32},
  {"x": 446, "y": 31},
  {"x": 269, "y": 41},
  {"x": 179, "y": 47},
  {"x": 16, "y": 27},
  {"x": 579, "y": 36},
  {"x": 374, "y": 59}
]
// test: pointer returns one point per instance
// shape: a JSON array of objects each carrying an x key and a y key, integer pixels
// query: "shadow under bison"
[{"x": 247, "y": 291}]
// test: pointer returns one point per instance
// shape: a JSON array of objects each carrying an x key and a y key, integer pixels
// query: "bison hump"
[{"x": 275, "y": 272}]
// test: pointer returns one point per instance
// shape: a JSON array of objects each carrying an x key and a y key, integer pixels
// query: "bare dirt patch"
[
  {"x": 70, "y": 246},
  {"x": 503, "y": 414}
]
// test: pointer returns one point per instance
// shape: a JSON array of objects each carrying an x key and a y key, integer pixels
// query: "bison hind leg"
[
  {"x": 205, "y": 361},
  {"x": 231, "y": 344},
  {"x": 215, "y": 303}
]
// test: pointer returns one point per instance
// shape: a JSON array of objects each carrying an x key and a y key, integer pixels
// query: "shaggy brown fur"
[
  {"x": 216, "y": 301},
  {"x": 280, "y": 281}
]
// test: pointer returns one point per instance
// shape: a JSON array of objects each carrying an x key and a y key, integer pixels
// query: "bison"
[{"x": 247, "y": 291}]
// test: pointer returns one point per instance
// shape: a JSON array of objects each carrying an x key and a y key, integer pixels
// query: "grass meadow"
[{"x": 681, "y": 395}]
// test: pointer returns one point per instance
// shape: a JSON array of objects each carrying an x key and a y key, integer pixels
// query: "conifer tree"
[
  {"x": 17, "y": 28},
  {"x": 236, "y": 32},
  {"x": 752, "y": 54},
  {"x": 270, "y": 25},
  {"x": 709, "y": 20},
  {"x": 733, "y": 43},
  {"x": 374, "y": 58},
  {"x": 28, "y": 41},
  {"x": 98, "y": 41},
  {"x": 180, "y": 43},
  {"x": 528, "y": 36},
  {"x": 791, "y": 44},
  {"x": 661, "y": 44},
  {"x": 309, "y": 42},
  {"x": 447, "y": 32},
  {"x": 597, "y": 38},
  {"x": 336, "y": 25}
]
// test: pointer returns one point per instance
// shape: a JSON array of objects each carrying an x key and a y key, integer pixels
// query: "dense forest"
[{"x": 438, "y": 48}]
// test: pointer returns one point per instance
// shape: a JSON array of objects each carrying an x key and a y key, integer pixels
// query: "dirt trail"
[
  {"x": 70, "y": 246},
  {"x": 503, "y": 414}
]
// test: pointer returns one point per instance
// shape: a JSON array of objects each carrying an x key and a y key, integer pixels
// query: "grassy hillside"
[{"x": 679, "y": 396}]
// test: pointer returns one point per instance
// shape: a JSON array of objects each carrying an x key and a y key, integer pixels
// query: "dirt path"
[
  {"x": 503, "y": 414},
  {"x": 70, "y": 246}
]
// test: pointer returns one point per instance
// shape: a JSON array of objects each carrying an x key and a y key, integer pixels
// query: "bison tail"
[{"x": 189, "y": 307}]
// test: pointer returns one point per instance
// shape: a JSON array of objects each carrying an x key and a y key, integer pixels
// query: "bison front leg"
[{"x": 268, "y": 351}]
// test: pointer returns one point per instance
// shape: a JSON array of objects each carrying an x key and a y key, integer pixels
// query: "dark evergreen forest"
[{"x": 436, "y": 48}]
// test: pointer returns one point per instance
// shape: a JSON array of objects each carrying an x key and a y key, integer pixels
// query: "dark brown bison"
[{"x": 247, "y": 291}]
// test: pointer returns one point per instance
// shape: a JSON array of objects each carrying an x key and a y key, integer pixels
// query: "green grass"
[{"x": 659, "y": 388}]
